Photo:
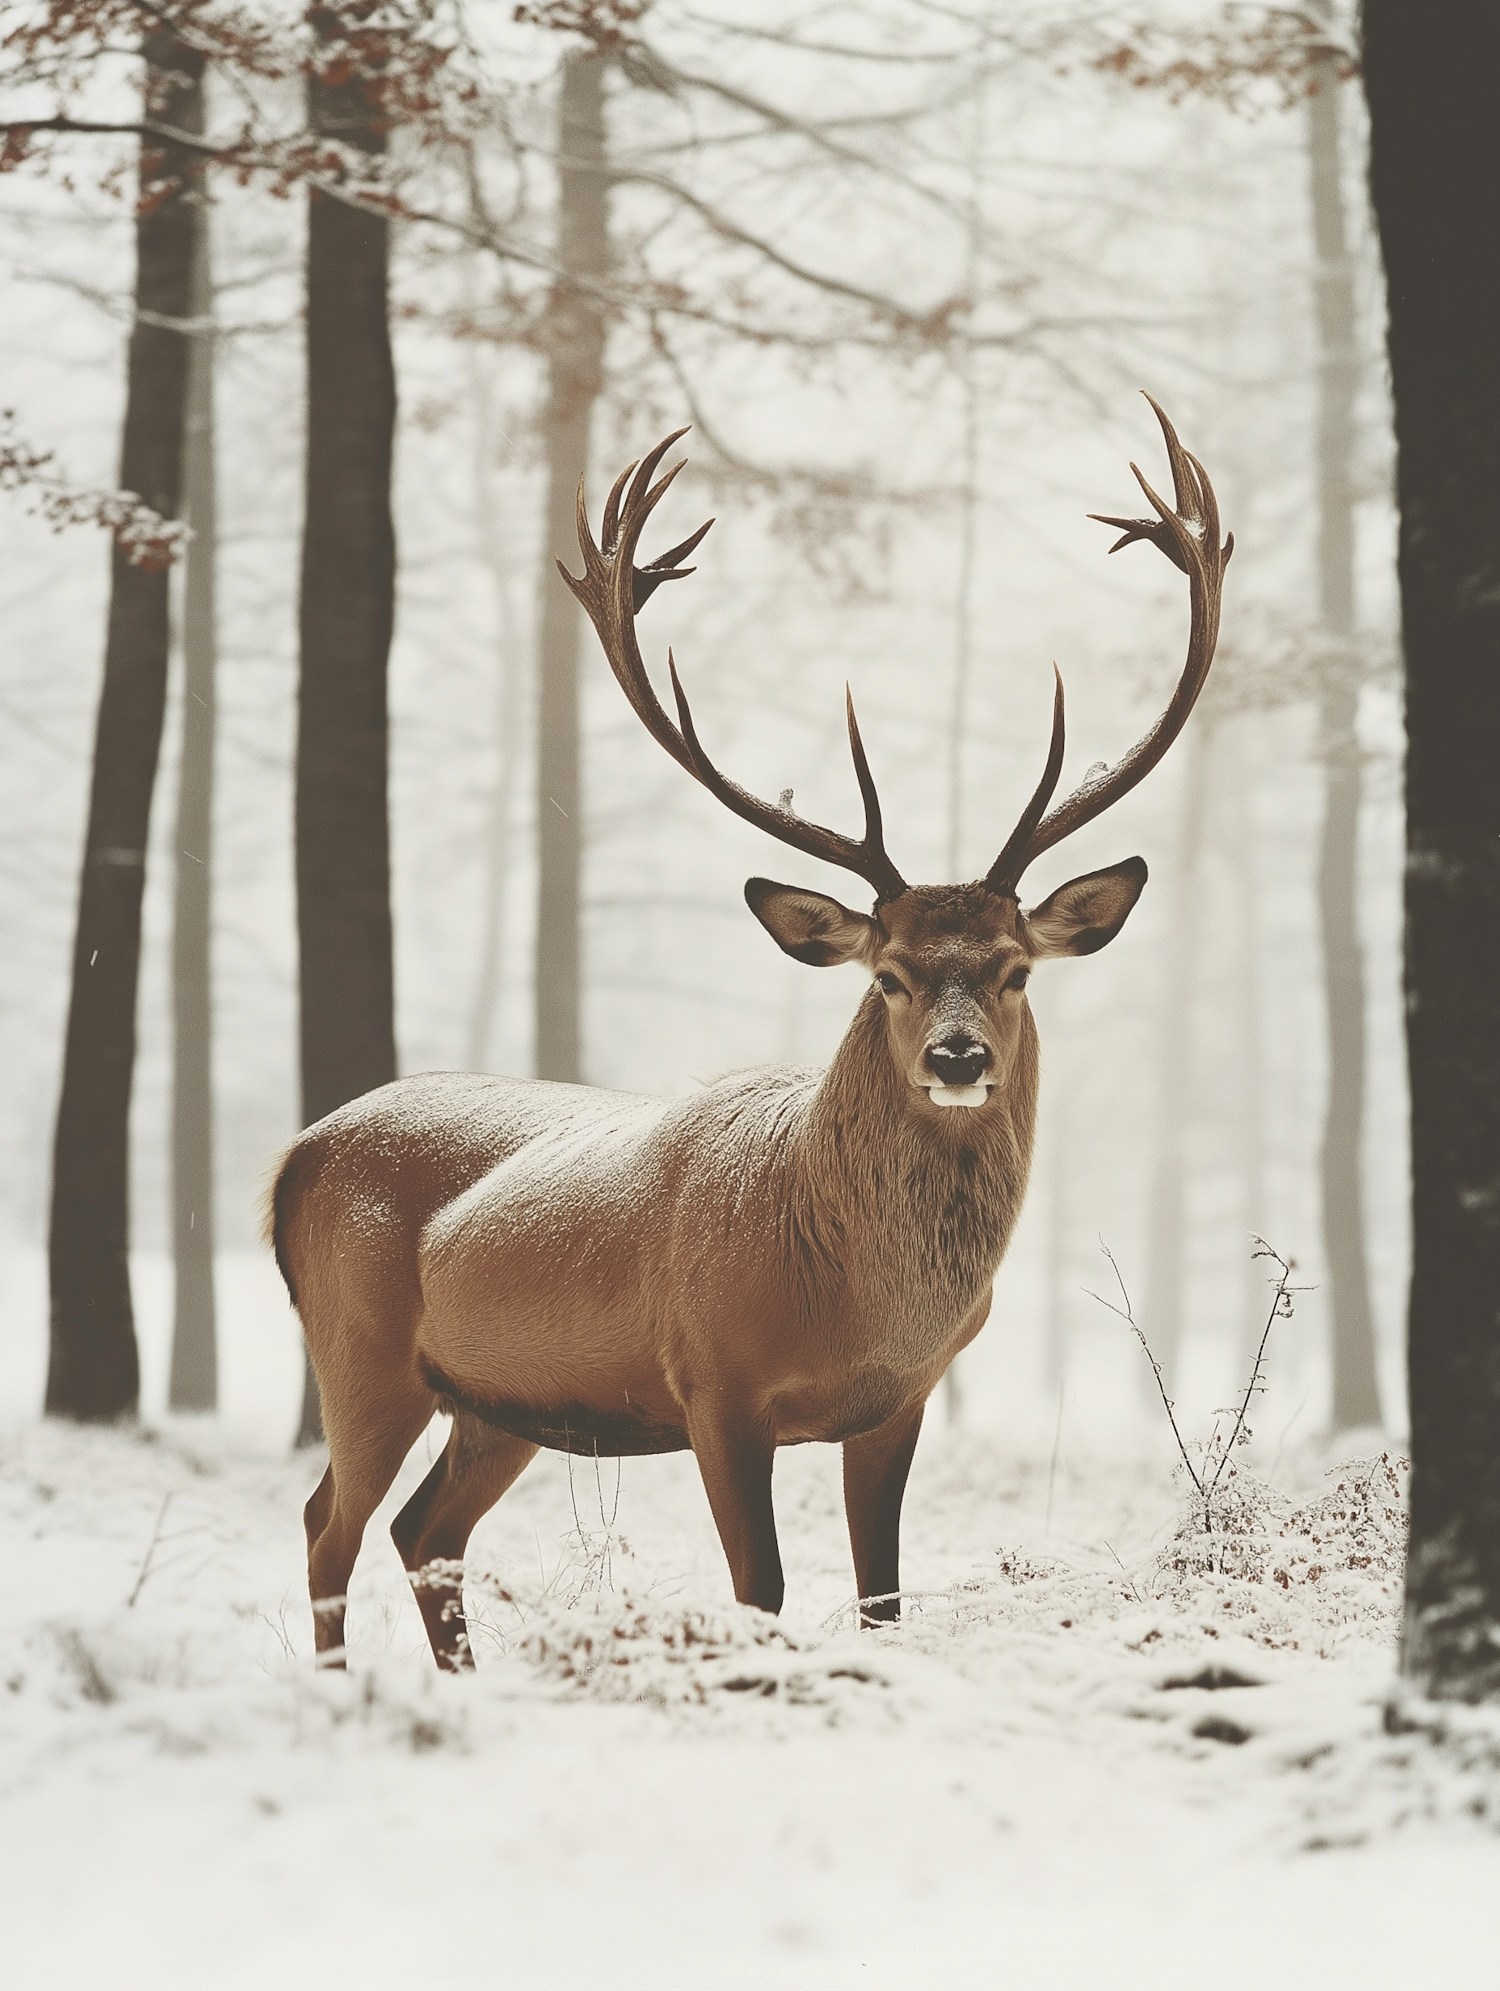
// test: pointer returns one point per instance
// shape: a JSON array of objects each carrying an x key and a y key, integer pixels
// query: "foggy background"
[{"x": 1110, "y": 239}]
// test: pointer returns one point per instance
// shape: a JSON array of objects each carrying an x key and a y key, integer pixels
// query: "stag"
[{"x": 787, "y": 1256}]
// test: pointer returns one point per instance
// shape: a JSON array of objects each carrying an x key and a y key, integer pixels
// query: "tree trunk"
[
  {"x": 575, "y": 379},
  {"x": 1166, "y": 1242},
  {"x": 1432, "y": 75},
  {"x": 508, "y": 729},
  {"x": 1237, "y": 783},
  {"x": 194, "y": 1381},
  {"x": 963, "y": 619},
  {"x": 93, "y": 1372},
  {"x": 1355, "y": 1397},
  {"x": 348, "y": 1037}
]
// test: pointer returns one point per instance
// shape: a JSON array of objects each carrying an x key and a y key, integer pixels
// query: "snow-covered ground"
[{"x": 1083, "y": 1759}]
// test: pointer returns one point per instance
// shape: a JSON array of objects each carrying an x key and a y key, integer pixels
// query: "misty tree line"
[
  {"x": 369, "y": 73},
  {"x": 403, "y": 122}
]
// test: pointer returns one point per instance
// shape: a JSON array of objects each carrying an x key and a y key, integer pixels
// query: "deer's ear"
[
  {"x": 1086, "y": 913},
  {"x": 810, "y": 927}
]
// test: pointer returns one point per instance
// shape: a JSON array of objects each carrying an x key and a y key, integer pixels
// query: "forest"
[{"x": 317, "y": 777}]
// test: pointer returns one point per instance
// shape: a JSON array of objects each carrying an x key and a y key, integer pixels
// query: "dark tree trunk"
[
  {"x": 1432, "y": 74},
  {"x": 93, "y": 1372},
  {"x": 347, "y": 605},
  {"x": 575, "y": 377},
  {"x": 194, "y": 1381},
  {"x": 1355, "y": 1397}
]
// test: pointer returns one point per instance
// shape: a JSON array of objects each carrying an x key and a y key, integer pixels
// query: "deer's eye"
[
  {"x": 1019, "y": 979},
  {"x": 889, "y": 985}
]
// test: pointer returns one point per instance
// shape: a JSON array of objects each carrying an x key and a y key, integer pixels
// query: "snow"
[{"x": 1046, "y": 1776}]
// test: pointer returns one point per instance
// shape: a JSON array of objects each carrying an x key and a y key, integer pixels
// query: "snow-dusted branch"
[
  {"x": 146, "y": 538},
  {"x": 1250, "y": 57}
]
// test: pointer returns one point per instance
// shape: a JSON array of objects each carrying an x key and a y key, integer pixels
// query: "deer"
[{"x": 787, "y": 1256}]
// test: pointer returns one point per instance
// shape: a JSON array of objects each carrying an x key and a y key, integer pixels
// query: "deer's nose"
[{"x": 959, "y": 1059}]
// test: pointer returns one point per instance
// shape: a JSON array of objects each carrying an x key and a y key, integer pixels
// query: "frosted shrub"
[
  {"x": 1359, "y": 1528},
  {"x": 622, "y": 1648},
  {"x": 1295, "y": 1574},
  {"x": 1228, "y": 1531}
]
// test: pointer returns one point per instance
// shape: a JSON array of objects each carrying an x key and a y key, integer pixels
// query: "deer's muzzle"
[{"x": 959, "y": 1065}]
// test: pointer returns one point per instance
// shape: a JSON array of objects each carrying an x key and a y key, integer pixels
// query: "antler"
[
  {"x": 613, "y": 589},
  {"x": 1189, "y": 536}
]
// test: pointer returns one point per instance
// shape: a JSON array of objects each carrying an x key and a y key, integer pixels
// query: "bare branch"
[
  {"x": 1127, "y": 1314},
  {"x": 927, "y": 325}
]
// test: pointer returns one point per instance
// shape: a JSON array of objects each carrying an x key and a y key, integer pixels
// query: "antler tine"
[
  {"x": 679, "y": 552},
  {"x": 874, "y": 825},
  {"x": 608, "y": 588},
  {"x": 1189, "y": 536},
  {"x": 889, "y": 884},
  {"x": 643, "y": 496},
  {"x": 609, "y": 525},
  {"x": 586, "y": 545},
  {"x": 1186, "y": 487},
  {"x": 612, "y": 589},
  {"x": 1007, "y": 867},
  {"x": 1196, "y": 504},
  {"x": 866, "y": 859},
  {"x": 667, "y": 567}
]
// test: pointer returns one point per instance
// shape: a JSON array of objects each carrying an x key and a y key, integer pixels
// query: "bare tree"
[
  {"x": 508, "y": 725},
  {"x": 194, "y": 1382},
  {"x": 575, "y": 339},
  {"x": 1166, "y": 1237},
  {"x": 1356, "y": 1399},
  {"x": 1432, "y": 75},
  {"x": 368, "y": 67},
  {"x": 762, "y": 296},
  {"x": 346, "y": 979},
  {"x": 1248, "y": 58},
  {"x": 93, "y": 1372}
]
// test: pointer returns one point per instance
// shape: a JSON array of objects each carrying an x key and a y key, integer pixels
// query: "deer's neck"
[{"x": 917, "y": 1204}]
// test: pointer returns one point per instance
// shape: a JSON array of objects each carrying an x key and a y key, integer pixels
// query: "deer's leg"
[
  {"x": 735, "y": 1455},
  {"x": 364, "y": 1456},
  {"x": 477, "y": 1465},
  {"x": 875, "y": 1469}
]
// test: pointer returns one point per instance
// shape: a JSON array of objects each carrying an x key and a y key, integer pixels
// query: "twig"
[
  {"x": 277, "y": 1627},
  {"x": 608, "y": 1522},
  {"x": 1281, "y": 1308},
  {"x": 1216, "y": 1452},
  {"x": 140, "y": 1581},
  {"x": 1130, "y": 1580},
  {"x": 598, "y": 1569},
  {"x": 1052, "y": 1467},
  {"x": 857, "y": 1604},
  {"x": 573, "y": 1491},
  {"x": 1125, "y": 1313}
]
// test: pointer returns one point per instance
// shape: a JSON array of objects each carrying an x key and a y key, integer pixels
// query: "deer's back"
[
  {"x": 355, "y": 1191},
  {"x": 589, "y": 1239}
]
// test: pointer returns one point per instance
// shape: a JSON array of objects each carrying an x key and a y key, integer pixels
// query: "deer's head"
[{"x": 951, "y": 962}]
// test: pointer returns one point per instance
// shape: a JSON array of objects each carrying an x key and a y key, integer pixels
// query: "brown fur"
[{"x": 784, "y": 1257}]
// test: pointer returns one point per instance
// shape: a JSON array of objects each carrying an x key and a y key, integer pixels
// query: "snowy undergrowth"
[
  {"x": 1082, "y": 1666},
  {"x": 198, "y": 1654}
]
